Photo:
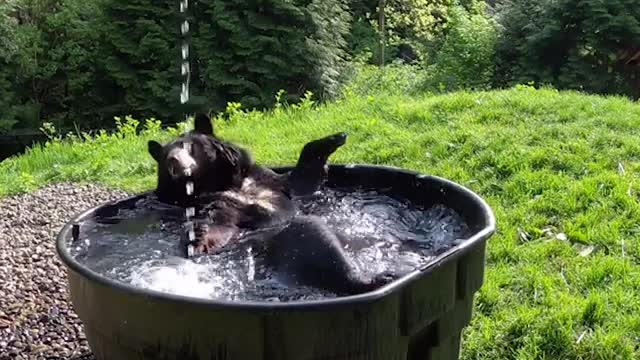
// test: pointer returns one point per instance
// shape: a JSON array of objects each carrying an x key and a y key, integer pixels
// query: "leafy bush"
[
  {"x": 48, "y": 63},
  {"x": 67, "y": 60},
  {"x": 7, "y": 51},
  {"x": 392, "y": 79},
  {"x": 140, "y": 51},
  {"x": 467, "y": 55},
  {"x": 248, "y": 51},
  {"x": 414, "y": 29},
  {"x": 571, "y": 44}
]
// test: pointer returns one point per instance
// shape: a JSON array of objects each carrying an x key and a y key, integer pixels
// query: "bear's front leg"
[{"x": 210, "y": 239}]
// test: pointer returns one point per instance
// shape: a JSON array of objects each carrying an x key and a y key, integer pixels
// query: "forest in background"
[{"x": 77, "y": 64}]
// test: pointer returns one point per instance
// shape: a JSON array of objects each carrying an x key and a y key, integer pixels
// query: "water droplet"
[
  {"x": 252, "y": 264},
  {"x": 185, "y": 51},
  {"x": 191, "y": 211},
  {"x": 189, "y": 183},
  {"x": 184, "y": 97},
  {"x": 184, "y": 5}
]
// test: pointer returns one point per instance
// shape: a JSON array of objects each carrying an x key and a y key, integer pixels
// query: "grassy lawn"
[{"x": 559, "y": 169}]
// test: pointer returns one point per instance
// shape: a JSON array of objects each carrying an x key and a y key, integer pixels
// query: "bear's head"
[{"x": 201, "y": 157}]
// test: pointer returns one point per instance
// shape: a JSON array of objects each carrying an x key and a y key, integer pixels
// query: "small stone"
[{"x": 36, "y": 320}]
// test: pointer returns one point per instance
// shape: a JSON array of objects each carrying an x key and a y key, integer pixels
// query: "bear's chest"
[{"x": 254, "y": 194}]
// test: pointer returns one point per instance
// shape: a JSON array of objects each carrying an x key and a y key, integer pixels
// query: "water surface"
[{"x": 141, "y": 246}]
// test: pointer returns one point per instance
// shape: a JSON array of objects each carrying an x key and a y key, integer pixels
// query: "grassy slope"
[{"x": 548, "y": 163}]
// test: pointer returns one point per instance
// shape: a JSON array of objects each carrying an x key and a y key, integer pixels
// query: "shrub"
[
  {"x": 140, "y": 51},
  {"x": 48, "y": 63},
  {"x": 414, "y": 29},
  {"x": 395, "y": 78},
  {"x": 466, "y": 57},
  {"x": 66, "y": 60},
  {"x": 248, "y": 51},
  {"x": 571, "y": 44}
]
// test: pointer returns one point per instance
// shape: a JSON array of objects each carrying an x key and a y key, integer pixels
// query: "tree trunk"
[{"x": 381, "y": 5}]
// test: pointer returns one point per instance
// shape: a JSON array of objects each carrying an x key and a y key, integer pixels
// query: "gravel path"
[{"x": 36, "y": 319}]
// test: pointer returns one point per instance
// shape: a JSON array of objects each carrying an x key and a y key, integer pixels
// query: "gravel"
[{"x": 36, "y": 317}]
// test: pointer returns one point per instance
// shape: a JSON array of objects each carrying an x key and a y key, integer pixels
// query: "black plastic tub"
[{"x": 419, "y": 316}]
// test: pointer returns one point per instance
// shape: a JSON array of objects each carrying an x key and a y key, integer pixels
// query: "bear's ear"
[
  {"x": 202, "y": 124},
  {"x": 155, "y": 149}
]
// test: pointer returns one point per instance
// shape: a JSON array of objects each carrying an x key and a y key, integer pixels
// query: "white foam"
[{"x": 180, "y": 277}]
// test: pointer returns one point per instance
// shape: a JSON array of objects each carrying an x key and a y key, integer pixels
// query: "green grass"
[{"x": 547, "y": 162}]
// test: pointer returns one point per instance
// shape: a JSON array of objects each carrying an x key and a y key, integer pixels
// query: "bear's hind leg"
[
  {"x": 311, "y": 170},
  {"x": 312, "y": 254}
]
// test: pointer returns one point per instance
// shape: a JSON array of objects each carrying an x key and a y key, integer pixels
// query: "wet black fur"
[{"x": 303, "y": 246}]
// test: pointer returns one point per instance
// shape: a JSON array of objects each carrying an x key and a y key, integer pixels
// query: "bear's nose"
[{"x": 180, "y": 163}]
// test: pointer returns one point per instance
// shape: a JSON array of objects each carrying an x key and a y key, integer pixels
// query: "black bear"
[{"x": 238, "y": 200}]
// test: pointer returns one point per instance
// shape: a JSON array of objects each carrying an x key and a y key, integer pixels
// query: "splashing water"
[
  {"x": 189, "y": 211},
  {"x": 185, "y": 68},
  {"x": 141, "y": 247}
]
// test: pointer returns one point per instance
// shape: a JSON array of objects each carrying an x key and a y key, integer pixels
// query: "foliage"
[
  {"x": 364, "y": 41},
  {"x": 558, "y": 168},
  {"x": 467, "y": 56},
  {"x": 8, "y": 48},
  {"x": 64, "y": 61},
  {"x": 252, "y": 50},
  {"x": 140, "y": 51},
  {"x": 52, "y": 68},
  {"x": 414, "y": 29},
  {"x": 573, "y": 44},
  {"x": 419, "y": 20},
  {"x": 392, "y": 79}
]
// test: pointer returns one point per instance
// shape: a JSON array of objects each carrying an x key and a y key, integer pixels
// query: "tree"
[
  {"x": 48, "y": 62},
  {"x": 573, "y": 44},
  {"x": 248, "y": 50},
  {"x": 140, "y": 52}
]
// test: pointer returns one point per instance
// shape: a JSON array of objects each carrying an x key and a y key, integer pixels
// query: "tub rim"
[{"x": 307, "y": 305}]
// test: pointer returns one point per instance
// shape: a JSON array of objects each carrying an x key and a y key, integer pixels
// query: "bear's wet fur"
[{"x": 233, "y": 195}]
